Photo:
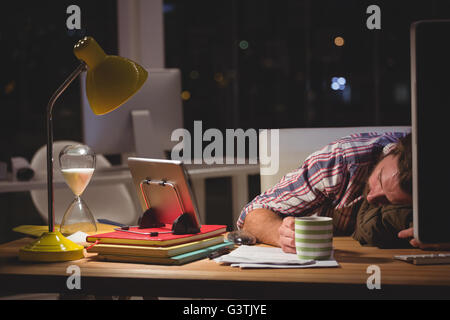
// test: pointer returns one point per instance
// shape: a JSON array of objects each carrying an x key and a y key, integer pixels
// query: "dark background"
[{"x": 246, "y": 64}]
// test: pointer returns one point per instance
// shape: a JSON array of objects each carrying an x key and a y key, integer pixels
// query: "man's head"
[{"x": 391, "y": 180}]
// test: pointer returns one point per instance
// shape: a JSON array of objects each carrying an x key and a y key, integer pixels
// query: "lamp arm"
[{"x": 51, "y": 216}]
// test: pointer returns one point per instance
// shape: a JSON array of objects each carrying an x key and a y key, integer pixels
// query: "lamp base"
[{"x": 51, "y": 247}]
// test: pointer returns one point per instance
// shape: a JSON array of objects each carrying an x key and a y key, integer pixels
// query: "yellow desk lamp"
[{"x": 110, "y": 82}]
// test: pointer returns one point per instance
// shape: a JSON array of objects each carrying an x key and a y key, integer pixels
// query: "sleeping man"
[{"x": 362, "y": 181}]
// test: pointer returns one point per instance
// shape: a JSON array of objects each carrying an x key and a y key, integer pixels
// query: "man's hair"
[{"x": 403, "y": 150}]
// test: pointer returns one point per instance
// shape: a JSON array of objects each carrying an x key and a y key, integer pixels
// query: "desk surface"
[{"x": 205, "y": 278}]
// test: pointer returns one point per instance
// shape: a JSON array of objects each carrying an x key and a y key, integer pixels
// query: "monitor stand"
[{"x": 142, "y": 125}]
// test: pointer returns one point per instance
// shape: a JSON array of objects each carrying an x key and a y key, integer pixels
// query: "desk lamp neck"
[{"x": 51, "y": 216}]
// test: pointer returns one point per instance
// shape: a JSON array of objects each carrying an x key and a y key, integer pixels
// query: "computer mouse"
[{"x": 241, "y": 237}]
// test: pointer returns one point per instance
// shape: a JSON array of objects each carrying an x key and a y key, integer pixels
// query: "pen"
[
  {"x": 151, "y": 234},
  {"x": 218, "y": 253}
]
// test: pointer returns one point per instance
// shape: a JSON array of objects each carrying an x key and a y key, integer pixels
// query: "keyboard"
[{"x": 421, "y": 259}]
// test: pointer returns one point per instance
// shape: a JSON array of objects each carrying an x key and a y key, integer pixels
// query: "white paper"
[
  {"x": 315, "y": 264},
  {"x": 269, "y": 257},
  {"x": 78, "y": 237},
  {"x": 257, "y": 254}
]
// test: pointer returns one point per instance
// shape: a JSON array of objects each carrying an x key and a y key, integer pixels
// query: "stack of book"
[{"x": 153, "y": 246}]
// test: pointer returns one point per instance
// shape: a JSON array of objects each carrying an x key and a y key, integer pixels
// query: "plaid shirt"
[{"x": 330, "y": 182}]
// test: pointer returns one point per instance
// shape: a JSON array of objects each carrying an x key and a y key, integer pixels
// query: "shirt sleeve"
[{"x": 304, "y": 190}]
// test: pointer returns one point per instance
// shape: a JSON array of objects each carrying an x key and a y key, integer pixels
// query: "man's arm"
[
  {"x": 378, "y": 225},
  {"x": 270, "y": 228},
  {"x": 270, "y": 216},
  {"x": 409, "y": 234}
]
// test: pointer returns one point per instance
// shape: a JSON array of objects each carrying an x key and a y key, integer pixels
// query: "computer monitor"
[
  {"x": 144, "y": 124},
  {"x": 430, "y": 99}
]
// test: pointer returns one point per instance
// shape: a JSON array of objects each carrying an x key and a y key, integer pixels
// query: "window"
[
  {"x": 36, "y": 57},
  {"x": 293, "y": 63}
]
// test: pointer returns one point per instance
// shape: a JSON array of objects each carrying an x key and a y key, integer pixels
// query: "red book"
[{"x": 161, "y": 240}]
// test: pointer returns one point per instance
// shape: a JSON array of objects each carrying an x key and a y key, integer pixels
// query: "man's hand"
[
  {"x": 287, "y": 235},
  {"x": 269, "y": 228},
  {"x": 409, "y": 233}
]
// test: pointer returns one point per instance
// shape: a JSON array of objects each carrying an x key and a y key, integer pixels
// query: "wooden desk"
[{"x": 207, "y": 279}]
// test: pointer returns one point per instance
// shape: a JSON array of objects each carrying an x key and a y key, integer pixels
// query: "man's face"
[{"x": 383, "y": 184}]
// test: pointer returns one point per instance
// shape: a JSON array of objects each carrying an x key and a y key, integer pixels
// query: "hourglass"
[{"x": 77, "y": 164}]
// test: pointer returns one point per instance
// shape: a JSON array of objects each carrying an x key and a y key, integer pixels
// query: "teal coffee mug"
[{"x": 314, "y": 237}]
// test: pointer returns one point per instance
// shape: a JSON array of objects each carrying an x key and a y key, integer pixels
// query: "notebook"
[
  {"x": 175, "y": 260},
  {"x": 145, "y": 251},
  {"x": 163, "y": 239},
  {"x": 37, "y": 231}
]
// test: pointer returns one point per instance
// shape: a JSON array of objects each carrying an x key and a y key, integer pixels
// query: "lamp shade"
[{"x": 110, "y": 80}]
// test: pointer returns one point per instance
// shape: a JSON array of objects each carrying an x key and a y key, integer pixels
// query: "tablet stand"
[{"x": 182, "y": 225}]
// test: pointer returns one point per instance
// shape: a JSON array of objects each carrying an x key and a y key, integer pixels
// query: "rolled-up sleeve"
[{"x": 304, "y": 190}]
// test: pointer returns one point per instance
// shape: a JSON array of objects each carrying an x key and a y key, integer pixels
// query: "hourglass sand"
[{"x": 77, "y": 164}]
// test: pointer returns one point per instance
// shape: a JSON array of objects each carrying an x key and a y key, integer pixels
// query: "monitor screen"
[
  {"x": 430, "y": 84},
  {"x": 113, "y": 133}
]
